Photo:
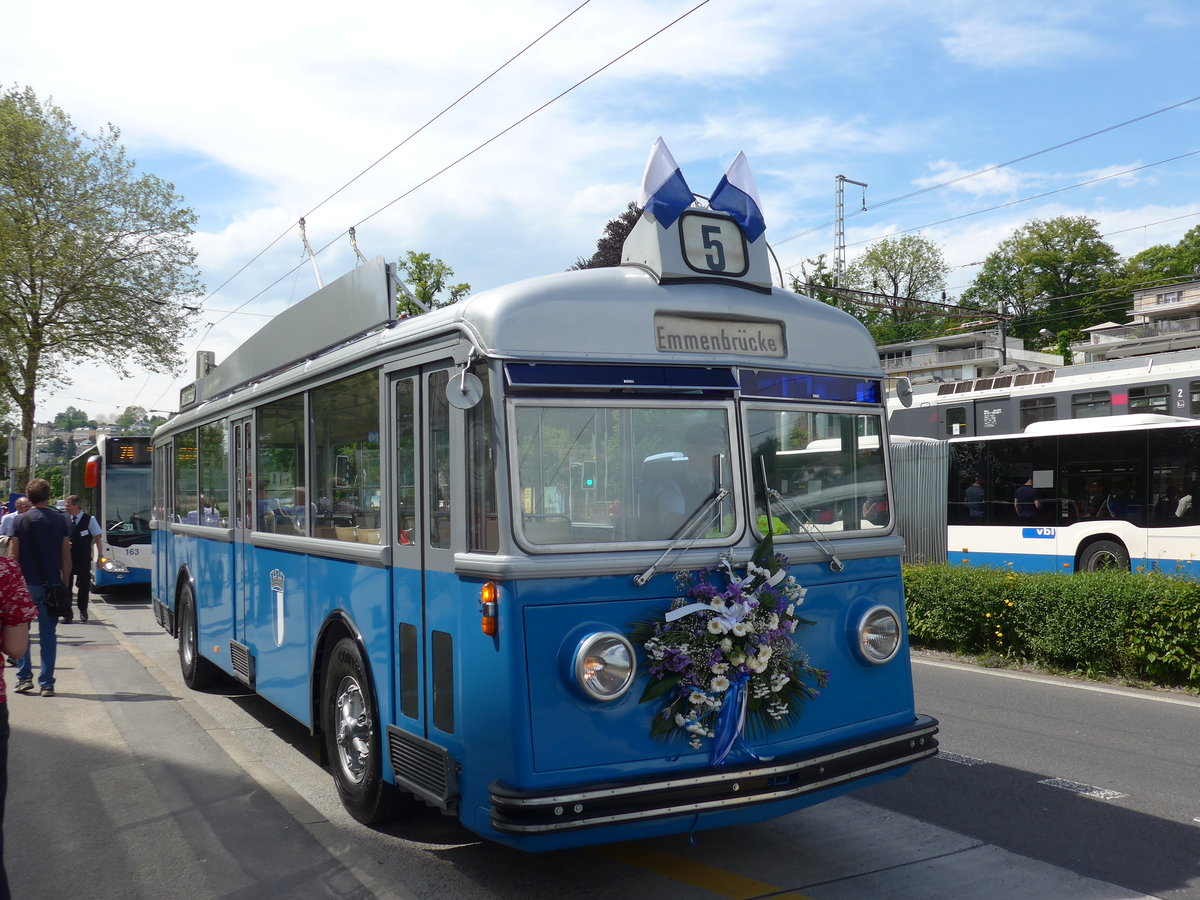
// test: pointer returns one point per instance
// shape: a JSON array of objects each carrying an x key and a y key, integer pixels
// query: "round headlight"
[
  {"x": 605, "y": 665},
  {"x": 878, "y": 635}
]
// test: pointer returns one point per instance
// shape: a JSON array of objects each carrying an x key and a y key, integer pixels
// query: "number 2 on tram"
[{"x": 431, "y": 540}]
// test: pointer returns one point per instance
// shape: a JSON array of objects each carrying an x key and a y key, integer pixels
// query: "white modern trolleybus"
[
  {"x": 429, "y": 540},
  {"x": 112, "y": 479},
  {"x": 1107, "y": 493}
]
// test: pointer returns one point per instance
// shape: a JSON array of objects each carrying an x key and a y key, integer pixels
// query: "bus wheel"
[
  {"x": 352, "y": 738},
  {"x": 1104, "y": 555},
  {"x": 198, "y": 672}
]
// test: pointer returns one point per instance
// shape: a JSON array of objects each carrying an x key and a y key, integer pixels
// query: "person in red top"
[{"x": 16, "y": 612}]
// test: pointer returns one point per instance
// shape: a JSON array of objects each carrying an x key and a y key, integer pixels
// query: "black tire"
[
  {"x": 198, "y": 672},
  {"x": 1104, "y": 555},
  {"x": 353, "y": 743}
]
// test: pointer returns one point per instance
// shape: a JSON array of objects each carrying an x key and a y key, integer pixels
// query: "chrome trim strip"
[
  {"x": 721, "y": 802},
  {"x": 720, "y": 777}
]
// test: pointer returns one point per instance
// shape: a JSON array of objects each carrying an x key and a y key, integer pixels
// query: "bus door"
[
  {"x": 242, "y": 519},
  {"x": 424, "y": 585}
]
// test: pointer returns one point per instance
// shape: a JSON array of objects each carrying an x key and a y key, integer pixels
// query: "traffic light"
[{"x": 589, "y": 475}]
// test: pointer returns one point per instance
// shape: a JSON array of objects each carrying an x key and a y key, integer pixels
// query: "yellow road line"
[{"x": 710, "y": 878}]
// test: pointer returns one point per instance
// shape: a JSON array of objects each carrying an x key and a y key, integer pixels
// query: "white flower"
[
  {"x": 717, "y": 626},
  {"x": 772, "y": 622},
  {"x": 720, "y": 668},
  {"x": 764, "y": 653},
  {"x": 726, "y": 645},
  {"x": 754, "y": 664},
  {"x": 695, "y": 698},
  {"x": 720, "y": 684},
  {"x": 740, "y": 629},
  {"x": 680, "y": 721}
]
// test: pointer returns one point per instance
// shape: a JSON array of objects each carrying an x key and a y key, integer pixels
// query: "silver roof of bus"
[{"x": 611, "y": 318}]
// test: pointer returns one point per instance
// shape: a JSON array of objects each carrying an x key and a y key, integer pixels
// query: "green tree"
[
  {"x": 910, "y": 271},
  {"x": 70, "y": 419},
  {"x": 428, "y": 279},
  {"x": 608, "y": 248},
  {"x": 1059, "y": 274},
  {"x": 84, "y": 239},
  {"x": 1162, "y": 261},
  {"x": 133, "y": 415}
]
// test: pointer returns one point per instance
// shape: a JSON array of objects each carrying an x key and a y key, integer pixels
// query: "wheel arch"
[
  {"x": 1093, "y": 539},
  {"x": 336, "y": 626},
  {"x": 183, "y": 578}
]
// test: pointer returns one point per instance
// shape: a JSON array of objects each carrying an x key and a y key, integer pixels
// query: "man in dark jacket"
[{"x": 85, "y": 533}]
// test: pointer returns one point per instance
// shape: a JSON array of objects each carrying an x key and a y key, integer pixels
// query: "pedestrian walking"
[
  {"x": 16, "y": 612},
  {"x": 41, "y": 545},
  {"x": 85, "y": 534}
]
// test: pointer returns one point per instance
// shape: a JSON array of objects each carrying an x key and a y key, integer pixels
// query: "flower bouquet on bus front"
[{"x": 723, "y": 660}]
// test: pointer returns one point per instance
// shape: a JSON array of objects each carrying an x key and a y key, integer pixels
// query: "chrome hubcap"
[{"x": 352, "y": 729}]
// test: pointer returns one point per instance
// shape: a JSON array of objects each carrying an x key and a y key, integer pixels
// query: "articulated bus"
[
  {"x": 112, "y": 479},
  {"x": 1079, "y": 495},
  {"x": 450, "y": 545}
]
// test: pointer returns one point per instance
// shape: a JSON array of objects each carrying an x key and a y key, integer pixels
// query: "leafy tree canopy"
[
  {"x": 902, "y": 280},
  {"x": 85, "y": 240},
  {"x": 1163, "y": 261},
  {"x": 428, "y": 279},
  {"x": 1058, "y": 274},
  {"x": 608, "y": 248},
  {"x": 72, "y": 418}
]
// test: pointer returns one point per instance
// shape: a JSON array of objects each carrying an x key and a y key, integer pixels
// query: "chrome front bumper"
[{"x": 612, "y": 803}]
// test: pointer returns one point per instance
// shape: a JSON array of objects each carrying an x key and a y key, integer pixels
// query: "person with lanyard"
[
  {"x": 85, "y": 534},
  {"x": 40, "y": 543}
]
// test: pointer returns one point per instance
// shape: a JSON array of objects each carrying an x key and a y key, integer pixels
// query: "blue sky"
[{"x": 259, "y": 111}]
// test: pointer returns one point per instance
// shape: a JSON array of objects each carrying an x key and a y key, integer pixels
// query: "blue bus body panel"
[{"x": 104, "y": 579}]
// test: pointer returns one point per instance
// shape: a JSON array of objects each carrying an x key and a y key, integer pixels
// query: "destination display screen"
[{"x": 124, "y": 452}]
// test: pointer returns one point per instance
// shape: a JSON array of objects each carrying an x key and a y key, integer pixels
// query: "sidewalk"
[{"x": 116, "y": 789}]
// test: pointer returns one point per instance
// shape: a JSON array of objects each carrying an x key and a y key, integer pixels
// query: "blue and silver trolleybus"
[
  {"x": 510, "y": 557},
  {"x": 112, "y": 479}
]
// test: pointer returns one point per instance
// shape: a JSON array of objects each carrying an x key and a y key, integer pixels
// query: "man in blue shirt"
[{"x": 40, "y": 543}]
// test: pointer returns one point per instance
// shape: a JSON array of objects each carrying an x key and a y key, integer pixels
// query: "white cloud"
[
  {"x": 987, "y": 42},
  {"x": 980, "y": 181}
]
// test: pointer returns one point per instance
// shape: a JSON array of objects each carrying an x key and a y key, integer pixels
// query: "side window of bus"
[
  {"x": 345, "y": 453},
  {"x": 439, "y": 459},
  {"x": 214, "y": 476},
  {"x": 406, "y": 462},
  {"x": 483, "y": 534},
  {"x": 186, "y": 494},
  {"x": 956, "y": 420},
  {"x": 281, "y": 483}
]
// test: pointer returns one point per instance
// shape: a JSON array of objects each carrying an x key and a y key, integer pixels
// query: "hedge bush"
[{"x": 1102, "y": 624}]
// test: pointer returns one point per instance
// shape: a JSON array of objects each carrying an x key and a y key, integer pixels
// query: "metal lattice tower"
[{"x": 839, "y": 239}]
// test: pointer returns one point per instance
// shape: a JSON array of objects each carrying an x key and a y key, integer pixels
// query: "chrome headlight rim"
[
  {"x": 868, "y": 624},
  {"x": 586, "y": 649},
  {"x": 113, "y": 566}
]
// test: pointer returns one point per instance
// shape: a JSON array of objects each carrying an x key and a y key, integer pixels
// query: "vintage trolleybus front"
[{"x": 499, "y": 505}]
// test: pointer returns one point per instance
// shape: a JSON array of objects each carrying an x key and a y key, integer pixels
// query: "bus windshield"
[
  {"x": 126, "y": 505},
  {"x": 591, "y": 473},
  {"x": 824, "y": 471}
]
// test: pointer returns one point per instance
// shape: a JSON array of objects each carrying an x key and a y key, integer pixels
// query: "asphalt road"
[
  {"x": 1103, "y": 780},
  {"x": 128, "y": 785}
]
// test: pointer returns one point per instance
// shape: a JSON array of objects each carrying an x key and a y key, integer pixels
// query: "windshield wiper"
[
  {"x": 835, "y": 564},
  {"x": 698, "y": 518}
]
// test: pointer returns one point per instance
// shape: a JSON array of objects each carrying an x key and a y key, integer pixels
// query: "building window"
[
  {"x": 1094, "y": 403},
  {"x": 1037, "y": 409},
  {"x": 1194, "y": 392}
]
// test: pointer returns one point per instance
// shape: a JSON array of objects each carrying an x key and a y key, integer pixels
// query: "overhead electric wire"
[
  {"x": 986, "y": 169},
  {"x": 441, "y": 171},
  {"x": 412, "y": 135},
  {"x": 477, "y": 148}
]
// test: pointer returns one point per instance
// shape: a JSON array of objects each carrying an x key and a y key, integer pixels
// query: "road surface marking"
[
  {"x": 698, "y": 874},
  {"x": 1085, "y": 790},
  {"x": 1134, "y": 693}
]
